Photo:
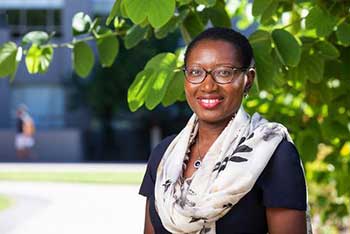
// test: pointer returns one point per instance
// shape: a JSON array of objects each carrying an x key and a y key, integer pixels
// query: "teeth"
[{"x": 209, "y": 101}]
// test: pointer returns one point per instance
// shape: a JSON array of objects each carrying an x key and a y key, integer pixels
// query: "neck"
[{"x": 208, "y": 133}]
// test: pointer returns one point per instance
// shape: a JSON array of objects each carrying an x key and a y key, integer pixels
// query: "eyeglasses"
[{"x": 221, "y": 75}]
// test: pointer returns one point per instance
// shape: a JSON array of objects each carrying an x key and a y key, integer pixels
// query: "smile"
[{"x": 209, "y": 103}]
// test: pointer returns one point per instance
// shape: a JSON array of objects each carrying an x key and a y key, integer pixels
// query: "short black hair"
[{"x": 236, "y": 39}]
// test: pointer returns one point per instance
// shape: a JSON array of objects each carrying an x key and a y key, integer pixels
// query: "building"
[{"x": 59, "y": 130}]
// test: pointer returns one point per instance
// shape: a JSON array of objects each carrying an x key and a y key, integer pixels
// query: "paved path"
[{"x": 62, "y": 208}]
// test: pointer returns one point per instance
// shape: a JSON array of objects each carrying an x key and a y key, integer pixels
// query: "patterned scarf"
[{"x": 229, "y": 171}]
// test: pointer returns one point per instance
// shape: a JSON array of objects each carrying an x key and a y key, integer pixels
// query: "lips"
[{"x": 209, "y": 102}]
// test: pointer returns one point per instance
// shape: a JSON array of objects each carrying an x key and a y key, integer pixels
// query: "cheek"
[
  {"x": 235, "y": 96},
  {"x": 187, "y": 91},
  {"x": 189, "y": 94}
]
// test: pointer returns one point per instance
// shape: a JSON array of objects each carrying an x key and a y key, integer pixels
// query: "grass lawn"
[
  {"x": 75, "y": 177},
  {"x": 5, "y": 202}
]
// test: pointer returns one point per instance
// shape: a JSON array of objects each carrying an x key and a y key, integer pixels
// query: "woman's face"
[{"x": 215, "y": 103}]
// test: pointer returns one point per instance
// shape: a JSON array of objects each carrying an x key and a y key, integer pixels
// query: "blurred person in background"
[{"x": 25, "y": 129}]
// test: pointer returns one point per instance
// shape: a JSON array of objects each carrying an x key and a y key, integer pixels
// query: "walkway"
[{"x": 62, "y": 208}]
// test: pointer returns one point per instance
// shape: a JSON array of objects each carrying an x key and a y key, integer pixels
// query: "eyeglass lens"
[{"x": 221, "y": 75}]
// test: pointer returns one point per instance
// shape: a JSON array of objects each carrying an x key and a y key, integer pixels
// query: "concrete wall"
[{"x": 61, "y": 145}]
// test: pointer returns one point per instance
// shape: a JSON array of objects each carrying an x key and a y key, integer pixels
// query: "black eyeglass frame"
[{"x": 242, "y": 69}]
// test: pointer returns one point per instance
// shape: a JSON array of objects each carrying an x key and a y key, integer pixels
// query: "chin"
[{"x": 213, "y": 119}]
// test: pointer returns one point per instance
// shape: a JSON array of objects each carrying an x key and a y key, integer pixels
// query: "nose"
[{"x": 209, "y": 84}]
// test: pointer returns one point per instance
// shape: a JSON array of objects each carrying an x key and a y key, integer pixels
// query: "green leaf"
[
  {"x": 183, "y": 2},
  {"x": 287, "y": 47},
  {"x": 18, "y": 60},
  {"x": 35, "y": 37},
  {"x": 114, "y": 12},
  {"x": 144, "y": 23},
  {"x": 218, "y": 15},
  {"x": 81, "y": 23},
  {"x": 107, "y": 48},
  {"x": 83, "y": 59},
  {"x": 332, "y": 69},
  {"x": 343, "y": 188},
  {"x": 157, "y": 12},
  {"x": 162, "y": 61},
  {"x": 269, "y": 12},
  {"x": 150, "y": 85},
  {"x": 134, "y": 36},
  {"x": 307, "y": 143},
  {"x": 279, "y": 78},
  {"x": 265, "y": 70},
  {"x": 160, "y": 82},
  {"x": 343, "y": 33},
  {"x": 259, "y": 6},
  {"x": 163, "y": 66},
  {"x": 175, "y": 89},
  {"x": 296, "y": 26},
  {"x": 191, "y": 27},
  {"x": 311, "y": 67},
  {"x": 294, "y": 75},
  {"x": 261, "y": 40},
  {"x": 8, "y": 52},
  {"x": 137, "y": 10},
  {"x": 321, "y": 21},
  {"x": 327, "y": 50},
  {"x": 139, "y": 89},
  {"x": 38, "y": 59},
  {"x": 172, "y": 25},
  {"x": 207, "y": 3},
  {"x": 265, "y": 67}
]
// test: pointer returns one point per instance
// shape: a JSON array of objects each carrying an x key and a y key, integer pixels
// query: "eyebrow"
[{"x": 216, "y": 65}]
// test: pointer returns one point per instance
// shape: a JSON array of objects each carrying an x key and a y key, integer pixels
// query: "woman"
[
  {"x": 24, "y": 140},
  {"x": 225, "y": 172}
]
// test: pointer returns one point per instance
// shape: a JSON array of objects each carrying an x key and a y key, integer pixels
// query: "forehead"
[{"x": 214, "y": 51}]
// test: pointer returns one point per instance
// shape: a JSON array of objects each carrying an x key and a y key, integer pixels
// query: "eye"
[
  {"x": 224, "y": 72},
  {"x": 195, "y": 72}
]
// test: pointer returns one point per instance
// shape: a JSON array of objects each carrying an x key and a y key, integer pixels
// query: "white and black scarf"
[{"x": 229, "y": 170}]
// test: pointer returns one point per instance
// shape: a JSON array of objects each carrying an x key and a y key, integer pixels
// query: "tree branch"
[{"x": 88, "y": 38}]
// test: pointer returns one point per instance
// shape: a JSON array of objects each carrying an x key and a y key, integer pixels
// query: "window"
[
  {"x": 46, "y": 103},
  {"x": 22, "y": 21}
]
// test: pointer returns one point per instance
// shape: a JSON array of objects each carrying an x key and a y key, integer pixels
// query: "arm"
[
  {"x": 286, "y": 221},
  {"x": 284, "y": 192},
  {"x": 148, "y": 229},
  {"x": 148, "y": 183}
]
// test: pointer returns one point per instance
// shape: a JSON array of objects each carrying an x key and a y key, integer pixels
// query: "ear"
[{"x": 250, "y": 76}]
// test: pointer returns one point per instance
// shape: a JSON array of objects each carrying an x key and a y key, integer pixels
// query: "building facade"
[{"x": 58, "y": 129}]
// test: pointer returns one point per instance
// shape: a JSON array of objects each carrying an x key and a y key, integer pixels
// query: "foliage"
[
  {"x": 105, "y": 92},
  {"x": 302, "y": 56}
]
